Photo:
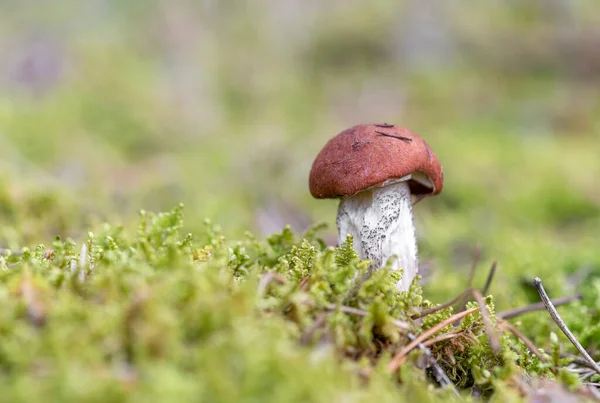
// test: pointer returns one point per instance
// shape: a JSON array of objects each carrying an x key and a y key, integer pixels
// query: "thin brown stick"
[
  {"x": 528, "y": 343},
  {"x": 462, "y": 295},
  {"x": 511, "y": 313},
  {"x": 476, "y": 257},
  {"x": 308, "y": 334},
  {"x": 442, "y": 306},
  {"x": 395, "y": 363},
  {"x": 442, "y": 337},
  {"x": 587, "y": 375},
  {"x": 303, "y": 283},
  {"x": 489, "y": 279},
  {"x": 439, "y": 373},
  {"x": 537, "y": 282},
  {"x": 474, "y": 265},
  {"x": 493, "y": 338}
]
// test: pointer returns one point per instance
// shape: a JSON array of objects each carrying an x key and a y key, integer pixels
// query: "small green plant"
[{"x": 157, "y": 312}]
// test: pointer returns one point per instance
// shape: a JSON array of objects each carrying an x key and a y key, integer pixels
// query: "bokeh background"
[{"x": 111, "y": 106}]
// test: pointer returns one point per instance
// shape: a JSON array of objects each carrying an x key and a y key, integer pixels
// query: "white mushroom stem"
[{"x": 381, "y": 222}]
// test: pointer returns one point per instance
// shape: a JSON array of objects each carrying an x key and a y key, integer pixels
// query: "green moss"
[{"x": 157, "y": 312}]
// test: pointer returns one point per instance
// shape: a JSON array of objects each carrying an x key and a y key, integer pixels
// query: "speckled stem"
[{"x": 381, "y": 223}]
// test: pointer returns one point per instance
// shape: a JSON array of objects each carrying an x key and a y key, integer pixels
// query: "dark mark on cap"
[{"x": 393, "y": 135}]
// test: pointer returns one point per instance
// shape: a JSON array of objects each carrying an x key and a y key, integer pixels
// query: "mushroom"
[{"x": 374, "y": 169}]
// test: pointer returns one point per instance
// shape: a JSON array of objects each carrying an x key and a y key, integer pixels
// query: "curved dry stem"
[
  {"x": 490, "y": 277},
  {"x": 442, "y": 337},
  {"x": 528, "y": 343},
  {"x": 398, "y": 357},
  {"x": 493, "y": 338},
  {"x": 442, "y": 306}
]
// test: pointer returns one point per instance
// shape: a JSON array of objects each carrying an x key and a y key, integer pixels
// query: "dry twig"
[
  {"x": 493, "y": 338},
  {"x": 398, "y": 357},
  {"x": 463, "y": 294},
  {"x": 439, "y": 373},
  {"x": 318, "y": 323},
  {"x": 474, "y": 267},
  {"x": 465, "y": 299},
  {"x": 442, "y": 306},
  {"x": 442, "y": 337},
  {"x": 511, "y": 313},
  {"x": 577, "y": 360},
  {"x": 537, "y": 282},
  {"x": 489, "y": 279},
  {"x": 528, "y": 343}
]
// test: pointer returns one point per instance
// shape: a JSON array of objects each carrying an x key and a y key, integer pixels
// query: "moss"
[{"x": 158, "y": 312}]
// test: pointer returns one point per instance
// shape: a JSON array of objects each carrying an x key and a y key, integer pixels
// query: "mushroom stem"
[{"x": 381, "y": 222}]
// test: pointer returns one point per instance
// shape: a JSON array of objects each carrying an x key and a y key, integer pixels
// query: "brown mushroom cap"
[{"x": 369, "y": 155}]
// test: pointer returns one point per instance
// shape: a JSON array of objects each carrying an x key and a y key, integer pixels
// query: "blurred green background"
[{"x": 111, "y": 106}]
